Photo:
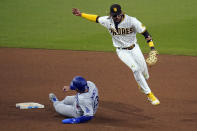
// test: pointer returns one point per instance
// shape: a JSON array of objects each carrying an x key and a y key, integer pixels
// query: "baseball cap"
[{"x": 115, "y": 9}]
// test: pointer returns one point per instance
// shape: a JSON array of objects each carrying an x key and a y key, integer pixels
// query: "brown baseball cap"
[{"x": 115, "y": 9}]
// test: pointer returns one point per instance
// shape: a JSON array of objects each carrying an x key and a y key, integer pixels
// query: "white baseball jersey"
[
  {"x": 82, "y": 104},
  {"x": 125, "y": 36}
]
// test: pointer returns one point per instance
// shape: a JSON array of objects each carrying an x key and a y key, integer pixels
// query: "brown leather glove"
[{"x": 152, "y": 58}]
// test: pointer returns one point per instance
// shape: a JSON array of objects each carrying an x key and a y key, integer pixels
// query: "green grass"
[{"x": 50, "y": 24}]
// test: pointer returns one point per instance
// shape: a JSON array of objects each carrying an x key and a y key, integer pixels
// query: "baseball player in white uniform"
[
  {"x": 81, "y": 107},
  {"x": 123, "y": 29}
]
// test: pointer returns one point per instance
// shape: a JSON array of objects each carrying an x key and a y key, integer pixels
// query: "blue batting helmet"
[{"x": 78, "y": 83}]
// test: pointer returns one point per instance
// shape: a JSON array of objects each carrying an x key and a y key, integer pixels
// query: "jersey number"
[{"x": 96, "y": 102}]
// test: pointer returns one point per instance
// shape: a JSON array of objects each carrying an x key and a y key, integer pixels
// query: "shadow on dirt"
[{"x": 118, "y": 114}]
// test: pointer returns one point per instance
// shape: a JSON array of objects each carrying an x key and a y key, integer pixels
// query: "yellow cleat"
[{"x": 153, "y": 99}]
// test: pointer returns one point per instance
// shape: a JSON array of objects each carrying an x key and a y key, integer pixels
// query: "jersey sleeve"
[
  {"x": 90, "y": 17},
  {"x": 86, "y": 106},
  {"x": 139, "y": 27},
  {"x": 103, "y": 20}
]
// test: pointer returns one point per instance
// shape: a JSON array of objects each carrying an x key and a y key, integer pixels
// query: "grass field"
[{"x": 50, "y": 24}]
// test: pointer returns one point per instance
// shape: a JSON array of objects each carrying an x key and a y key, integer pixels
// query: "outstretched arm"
[{"x": 90, "y": 17}]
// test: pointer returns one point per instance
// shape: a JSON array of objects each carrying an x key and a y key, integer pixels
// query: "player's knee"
[
  {"x": 134, "y": 68},
  {"x": 137, "y": 75},
  {"x": 69, "y": 100},
  {"x": 146, "y": 76}
]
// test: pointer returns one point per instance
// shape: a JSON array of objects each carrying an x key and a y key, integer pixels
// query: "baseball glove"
[{"x": 152, "y": 58}]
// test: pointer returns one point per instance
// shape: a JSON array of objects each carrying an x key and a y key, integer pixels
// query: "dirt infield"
[{"x": 31, "y": 74}]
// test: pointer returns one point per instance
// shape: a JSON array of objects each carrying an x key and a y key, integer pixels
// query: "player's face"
[{"x": 117, "y": 18}]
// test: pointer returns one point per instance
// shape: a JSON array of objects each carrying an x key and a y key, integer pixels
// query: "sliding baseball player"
[{"x": 80, "y": 107}]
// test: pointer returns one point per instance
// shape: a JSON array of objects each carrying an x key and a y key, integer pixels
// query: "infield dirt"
[{"x": 31, "y": 74}]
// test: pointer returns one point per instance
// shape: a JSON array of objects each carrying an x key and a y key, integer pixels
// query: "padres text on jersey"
[{"x": 121, "y": 31}]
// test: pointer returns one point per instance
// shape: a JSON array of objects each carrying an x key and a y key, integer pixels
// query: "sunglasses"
[{"x": 115, "y": 16}]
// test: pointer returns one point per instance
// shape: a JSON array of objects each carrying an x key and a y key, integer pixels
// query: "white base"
[{"x": 29, "y": 105}]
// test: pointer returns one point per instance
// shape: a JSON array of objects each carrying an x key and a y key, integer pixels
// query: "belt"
[{"x": 127, "y": 48}]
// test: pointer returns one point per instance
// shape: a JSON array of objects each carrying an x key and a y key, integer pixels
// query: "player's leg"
[
  {"x": 141, "y": 81},
  {"x": 127, "y": 56},
  {"x": 143, "y": 75},
  {"x": 139, "y": 58},
  {"x": 62, "y": 108},
  {"x": 69, "y": 100},
  {"x": 66, "y": 110},
  {"x": 145, "y": 72}
]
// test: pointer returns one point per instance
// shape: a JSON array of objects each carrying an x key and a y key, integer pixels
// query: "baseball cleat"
[
  {"x": 153, "y": 99},
  {"x": 52, "y": 97}
]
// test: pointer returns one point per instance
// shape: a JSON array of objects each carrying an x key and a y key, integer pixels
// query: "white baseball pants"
[
  {"x": 66, "y": 107},
  {"x": 134, "y": 59}
]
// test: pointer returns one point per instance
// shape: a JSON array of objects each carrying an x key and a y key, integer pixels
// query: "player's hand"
[
  {"x": 76, "y": 12},
  {"x": 66, "y": 88}
]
